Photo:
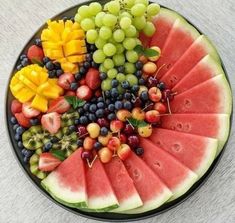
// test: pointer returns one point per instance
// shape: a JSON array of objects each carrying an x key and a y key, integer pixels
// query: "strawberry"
[
  {"x": 51, "y": 122},
  {"x": 82, "y": 81},
  {"x": 59, "y": 105},
  {"x": 70, "y": 93},
  {"x": 16, "y": 106},
  {"x": 22, "y": 120},
  {"x": 28, "y": 111},
  {"x": 35, "y": 54},
  {"x": 84, "y": 92},
  {"x": 93, "y": 78},
  {"x": 65, "y": 80},
  {"x": 47, "y": 162}
]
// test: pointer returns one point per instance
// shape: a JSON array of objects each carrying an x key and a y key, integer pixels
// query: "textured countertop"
[{"x": 21, "y": 202}]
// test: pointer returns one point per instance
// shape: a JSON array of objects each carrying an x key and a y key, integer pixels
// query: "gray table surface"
[{"x": 21, "y": 202}]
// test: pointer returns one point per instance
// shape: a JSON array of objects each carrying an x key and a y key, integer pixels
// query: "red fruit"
[
  {"x": 98, "y": 93},
  {"x": 47, "y": 162},
  {"x": 59, "y": 105},
  {"x": 16, "y": 106},
  {"x": 128, "y": 129},
  {"x": 84, "y": 92},
  {"x": 167, "y": 94},
  {"x": 88, "y": 143},
  {"x": 93, "y": 78},
  {"x": 105, "y": 155},
  {"x": 82, "y": 81},
  {"x": 155, "y": 94},
  {"x": 65, "y": 80},
  {"x": 123, "y": 114},
  {"x": 124, "y": 151},
  {"x": 114, "y": 143},
  {"x": 87, "y": 155},
  {"x": 51, "y": 122},
  {"x": 122, "y": 138},
  {"x": 70, "y": 93},
  {"x": 82, "y": 132},
  {"x": 103, "y": 122},
  {"x": 152, "y": 116},
  {"x": 133, "y": 141},
  {"x": 160, "y": 107},
  {"x": 28, "y": 111},
  {"x": 35, "y": 54},
  {"x": 138, "y": 113},
  {"x": 22, "y": 120},
  {"x": 116, "y": 126}
]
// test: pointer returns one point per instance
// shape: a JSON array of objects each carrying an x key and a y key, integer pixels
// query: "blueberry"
[
  {"x": 49, "y": 66},
  {"x": 93, "y": 100},
  {"x": 120, "y": 97},
  {"x": 82, "y": 71},
  {"x": 118, "y": 105},
  {"x": 23, "y": 56},
  {"x": 99, "y": 113},
  {"x": 104, "y": 131},
  {"x": 100, "y": 99},
  {"x": 80, "y": 111},
  {"x": 72, "y": 128},
  {"x": 54, "y": 139},
  {"x": 52, "y": 73},
  {"x": 127, "y": 105},
  {"x": 83, "y": 120},
  {"x": 87, "y": 65},
  {"x": 89, "y": 57},
  {"x": 27, "y": 153},
  {"x": 78, "y": 76},
  {"x": 114, "y": 92},
  {"x": 93, "y": 108},
  {"x": 114, "y": 83},
  {"x": 47, "y": 147},
  {"x": 73, "y": 86},
  {"x": 86, "y": 106},
  {"x": 111, "y": 116},
  {"x": 25, "y": 62},
  {"x": 111, "y": 107},
  {"x": 76, "y": 121},
  {"x": 139, "y": 65},
  {"x": 144, "y": 96},
  {"x": 34, "y": 121},
  {"x": 92, "y": 47},
  {"x": 121, "y": 69},
  {"x": 26, "y": 159},
  {"x": 80, "y": 142},
  {"x": 139, "y": 151},
  {"x": 20, "y": 145},
  {"x": 17, "y": 137},
  {"x": 92, "y": 117},
  {"x": 100, "y": 105},
  {"x": 38, "y": 42},
  {"x": 59, "y": 72},
  {"x": 103, "y": 76},
  {"x": 19, "y": 67},
  {"x": 57, "y": 65},
  {"x": 94, "y": 64},
  {"x": 15, "y": 126},
  {"x": 135, "y": 88},
  {"x": 142, "y": 81},
  {"x": 65, "y": 18},
  {"x": 125, "y": 84},
  {"x": 107, "y": 94},
  {"x": 13, "y": 120},
  {"x": 127, "y": 96},
  {"x": 20, "y": 130},
  {"x": 45, "y": 60},
  {"x": 97, "y": 145},
  {"x": 161, "y": 86},
  {"x": 107, "y": 101},
  {"x": 138, "y": 73}
]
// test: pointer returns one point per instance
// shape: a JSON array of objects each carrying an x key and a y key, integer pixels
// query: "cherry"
[
  {"x": 82, "y": 131},
  {"x": 152, "y": 82},
  {"x": 133, "y": 141},
  {"x": 128, "y": 129},
  {"x": 103, "y": 122}
]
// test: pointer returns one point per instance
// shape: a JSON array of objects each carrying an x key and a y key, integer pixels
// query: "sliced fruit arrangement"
[{"x": 121, "y": 108}]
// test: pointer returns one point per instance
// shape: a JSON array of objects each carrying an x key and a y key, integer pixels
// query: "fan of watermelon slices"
[{"x": 177, "y": 154}]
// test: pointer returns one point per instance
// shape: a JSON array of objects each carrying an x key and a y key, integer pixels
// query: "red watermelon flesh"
[
  {"x": 211, "y": 96},
  {"x": 178, "y": 178},
  {"x": 180, "y": 38},
  {"x": 200, "y": 48},
  {"x": 101, "y": 196},
  {"x": 203, "y": 71},
  {"x": 67, "y": 183},
  {"x": 152, "y": 190},
  {"x": 194, "y": 151},
  {"x": 209, "y": 125},
  {"x": 123, "y": 185}
]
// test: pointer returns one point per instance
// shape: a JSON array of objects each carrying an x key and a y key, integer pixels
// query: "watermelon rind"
[
  {"x": 169, "y": 14},
  {"x": 99, "y": 210}
]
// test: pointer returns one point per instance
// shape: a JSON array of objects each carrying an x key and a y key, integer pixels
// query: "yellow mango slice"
[
  {"x": 25, "y": 95},
  {"x": 76, "y": 59},
  {"x": 40, "y": 103}
]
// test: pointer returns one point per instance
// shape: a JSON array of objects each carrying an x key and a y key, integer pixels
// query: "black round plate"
[{"x": 98, "y": 216}]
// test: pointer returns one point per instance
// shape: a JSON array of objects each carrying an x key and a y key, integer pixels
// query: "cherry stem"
[
  {"x": 92, "y": 162},
  {"x": 155, "y": 76},
  {"x": 168, "y": 105},
  {"x": 147, "y": 106},
  {"x": 130, "y": 124},
  {"x": 82, "y": 135}
]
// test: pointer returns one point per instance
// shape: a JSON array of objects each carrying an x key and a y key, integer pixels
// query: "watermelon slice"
[
  {"x": 178, "y": 178},
  {"x": 203, "y": 71},
  {"x": 101, "y": 197},
  {"x": 152, "y": 190},
  {"x": 194, "y": 151},
  {"x": 67, "y": 184},
  {"x": 211, "y": 96},
  {"x": 200, "y": 48},
  {"x": 180, "y": 38},
  {"x": 209, "y": 125},
  {"x": 123, "y": 186}
]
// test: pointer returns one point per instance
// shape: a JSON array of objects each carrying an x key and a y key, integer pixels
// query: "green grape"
[
  {"x": 129, "y": 43},
  {"x": 138, "y": 42},
  {"x": 121, "y": 77},
  {"x": 125, "y": 14},
  {"x": 129, "y": 68},
  {"x": 129, "y": 3},
  {"x": 109, "y": 49},
  {"x": 108, "y": 64},
  {"x": 125, "y": 23},
  {"x": 119, "y": 35},
  {"x": 131, "y": 31},
  {"x": 114, "y": 7},
  {"x": 91, "y": 36},
  {"x": 105, "y": 32},
  {"x": 149, "y": 29},
  {"x": 95, "y": 8},
  {"x": 106, "y": 6},
  {"x": 139, "y": 22},
  {"x": 99, "y": 56},
  {"x": 111, "y": 40},
  {"x": 109, "y": 20},
  {"x": 138, "y": 10},
  {"x": 132, "y": 56},
  {"x": 99, "y": 19},
  {"x": 87, "y": 24},
  {"x": 119, "y": 59},
  {"x": 106, "y": 84},
  {"x": 112, "y": 73},
  {"x": 102, "y": 68},
  {"x": 145, "y": 2},
  {"x": 78, "y": 18},
  {"x": 99, "y": 43},
  {"x": 120, "y": 89},
  {"x": 153, "y": 9},
  {"x": 120, "y": 48},
  {"x": 83, "y": 11},
  {"x": 132, "y": 79}
]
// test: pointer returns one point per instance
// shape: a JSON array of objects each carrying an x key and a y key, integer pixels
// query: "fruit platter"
[{"x": 118, "y": 110}]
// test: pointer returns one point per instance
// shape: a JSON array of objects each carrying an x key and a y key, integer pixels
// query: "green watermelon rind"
[
  {"x": 169, "y": 14},
  {"x": 107, "y": 209}
]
